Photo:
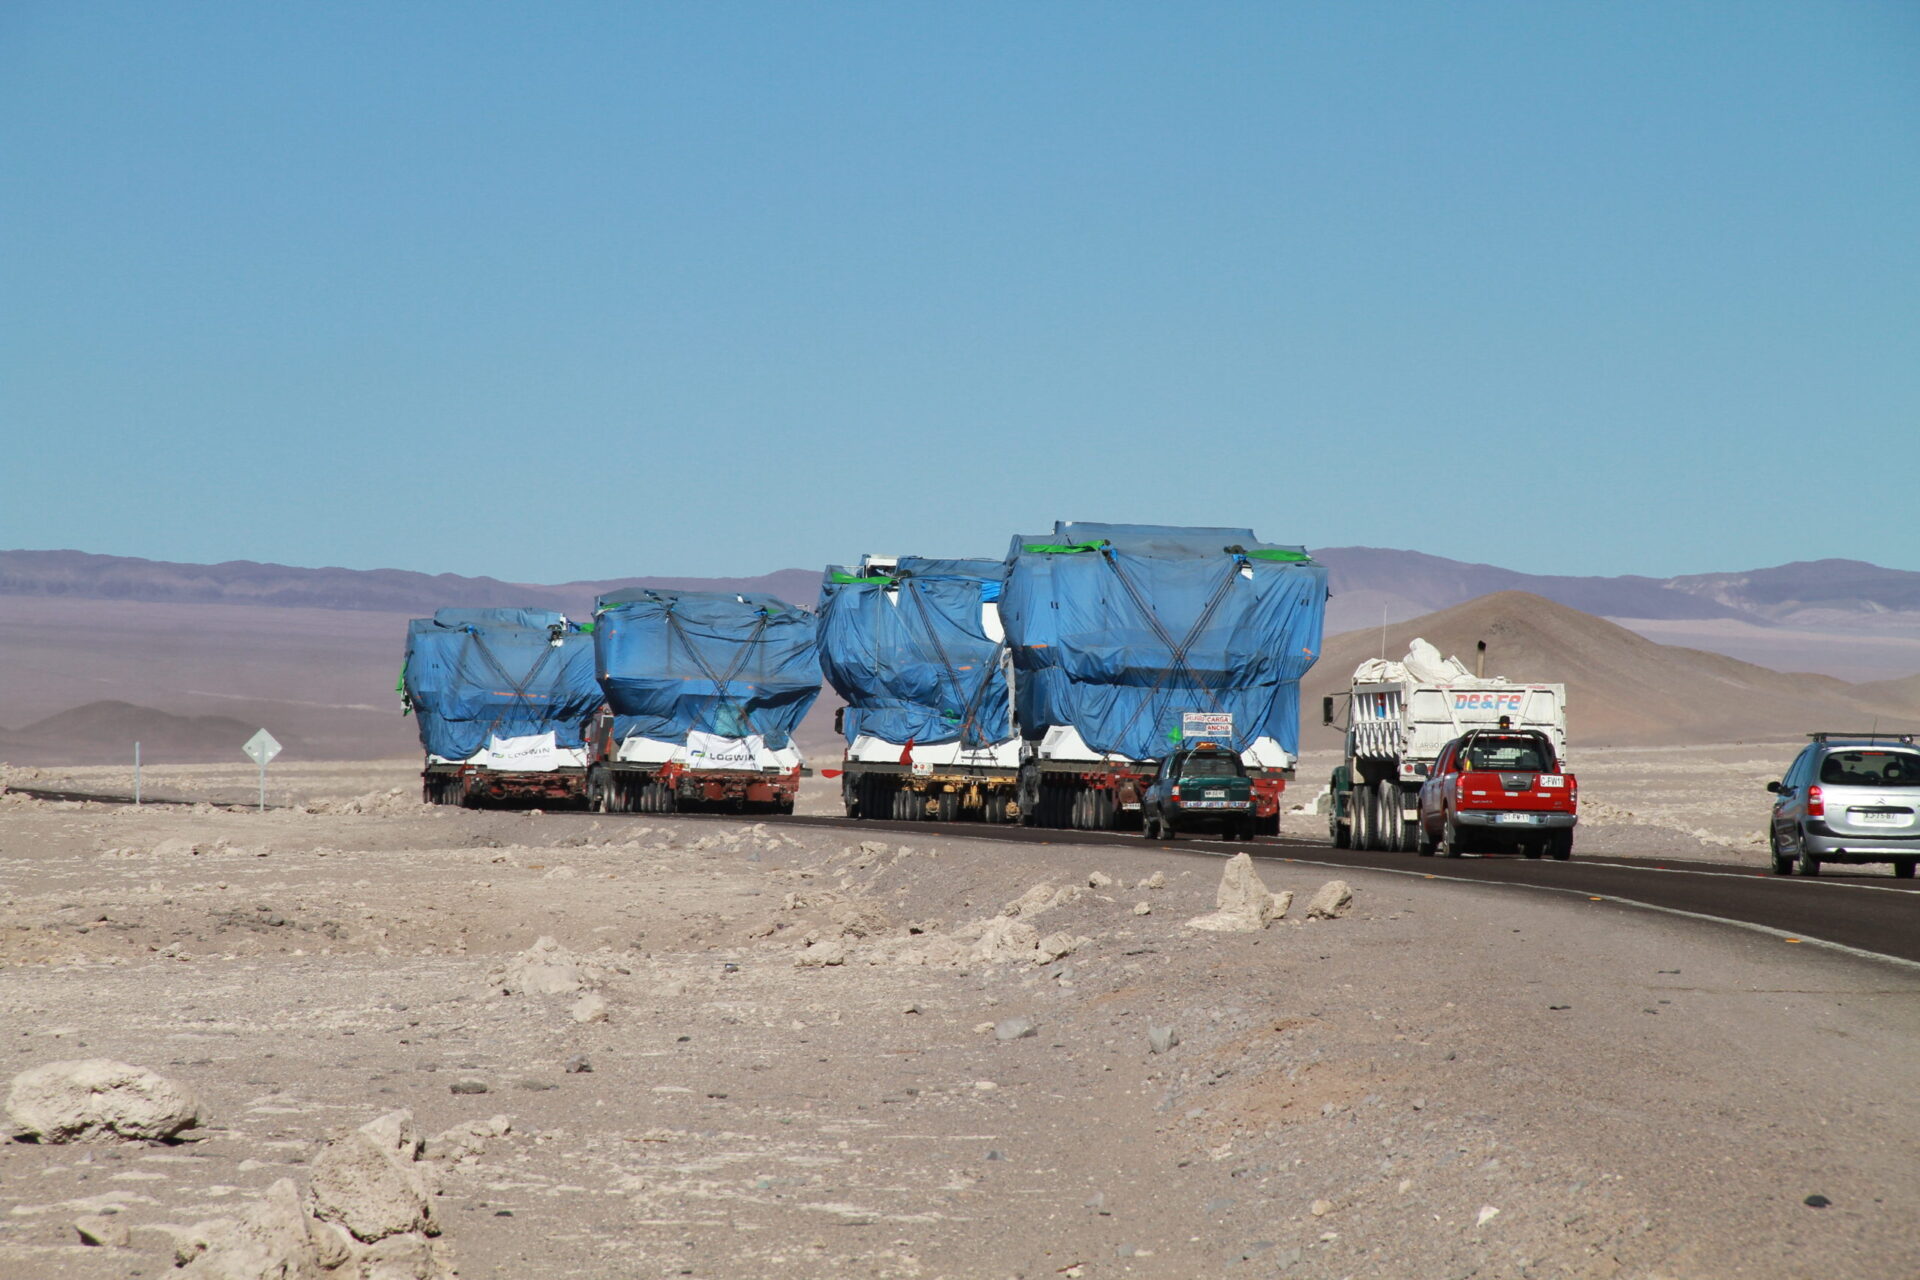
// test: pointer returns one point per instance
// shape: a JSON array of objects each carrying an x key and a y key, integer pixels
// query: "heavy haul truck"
[
  {"x": 916, "y": 648},
  {"x": 1126, "y": 641},
  {"x": 500, "y": 696},
  {"x": 703, "y": 691},
  {"x": 1398, "y": 716}
]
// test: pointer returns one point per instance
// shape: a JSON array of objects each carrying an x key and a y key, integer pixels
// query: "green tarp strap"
[
  {"x": 1291, "y": 557},
  {"x": 850, "y": 580},
  {"x": 1062, "y": 549}
]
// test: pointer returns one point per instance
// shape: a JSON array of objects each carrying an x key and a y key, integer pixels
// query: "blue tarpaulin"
[
  {"x": 676, "y": 662},
  {"x": 1118, "y": 630},
  {"x": 474, "y": 674},
  {"x": 910, "y": 654}
]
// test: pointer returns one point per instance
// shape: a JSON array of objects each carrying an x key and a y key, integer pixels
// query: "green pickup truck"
[{"x": 1199, "y": 787}]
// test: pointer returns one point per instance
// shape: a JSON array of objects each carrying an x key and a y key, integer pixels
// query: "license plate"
[
  {"x": 1216, "y": 795},
  {"x": 1214, "y": 804},
  {"x": 1868, "y": 818},
  {"x": 1516, "y": 819}
]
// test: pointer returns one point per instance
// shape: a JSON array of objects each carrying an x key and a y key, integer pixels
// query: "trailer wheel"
[
  {"x": 949, "y": 806},
  {"x": 1424, "y": 844},
  {"x": 1104, "y": 809},
  {"x": 1392, "y": 833},
  {"x": 1362, "y": 806},
  {"x": 1340, "y": 832}
]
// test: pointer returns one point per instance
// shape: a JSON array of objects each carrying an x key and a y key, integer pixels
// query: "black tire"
[
  {"x": 1782, "y": 864},
  {"x": 1360, "y": 815},
  {"x": 1560, "y": 846},
  {"x": 1808, "y": 865},
  {"x": 1533, "y": 848},
  {"x": 1904, "y": 870},
  {"x": 949, "y": 806},
  {"x": 1392, "y": 829},
  {"x": 1450, "y": 842},
  {"x": 1423, "y": 844},
  {"x": 1341, "y": 832},
  {"x": 1106, "y": 808}
]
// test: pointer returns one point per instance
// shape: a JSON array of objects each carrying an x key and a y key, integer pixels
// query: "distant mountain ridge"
[
  {"x": 82, "y": 575},
  {"x": 1822, "y": 591},
  {"x": 1366, "y": 582}
]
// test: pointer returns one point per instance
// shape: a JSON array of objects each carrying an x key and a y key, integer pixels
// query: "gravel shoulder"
[{"x": 801, "y": 1067}]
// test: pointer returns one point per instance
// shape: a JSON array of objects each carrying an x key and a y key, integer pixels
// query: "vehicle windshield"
[
  {"x": 1210, "y": 767},
  {"x": 1518, "y": 754},
  {"x": 1871, "y": 769}
]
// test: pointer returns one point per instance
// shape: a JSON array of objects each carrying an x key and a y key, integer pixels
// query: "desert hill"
[
  {"x": 1899, "y": 699},
  {"x": 1622, "y": 689},
  {"x": 105, "y": 731}
]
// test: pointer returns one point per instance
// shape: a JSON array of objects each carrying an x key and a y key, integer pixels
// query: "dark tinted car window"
[
  {"x": 1210, "y": 767},
  {"x": 1871, "y": 769},
  {"x": 1506, "y": 753}
]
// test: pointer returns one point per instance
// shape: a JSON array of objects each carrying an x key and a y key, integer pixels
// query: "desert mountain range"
[{"x": 99, "y": 651}]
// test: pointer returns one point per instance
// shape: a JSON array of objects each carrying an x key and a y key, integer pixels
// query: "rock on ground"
[
  {"x": 270, "y": 1242},
  {"x": 1006, "y": 938},
  {"x": 369, "y": 1181},
  {"x": 1331, "y": 899},
  {"x": 98, "y": 1099},
  {"x": 1243, "y": 904},
  {"x": 544, "y": 969}
]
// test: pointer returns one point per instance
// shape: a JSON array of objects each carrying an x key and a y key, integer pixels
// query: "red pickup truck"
[{"x": 1499, "y": 790}]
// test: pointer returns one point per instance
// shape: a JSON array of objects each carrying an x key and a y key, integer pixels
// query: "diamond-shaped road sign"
[{"x": 261, "y": 748}]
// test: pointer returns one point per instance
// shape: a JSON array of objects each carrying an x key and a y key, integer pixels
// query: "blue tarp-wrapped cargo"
[
  {"x": 673, "y": 663},
  {"x": 911, "y": 655},
  {"x": 1119, "y": 630},
  {"x": 476, "y": 674}
]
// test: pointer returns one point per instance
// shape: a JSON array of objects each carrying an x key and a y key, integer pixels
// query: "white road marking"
[{"x": 1842, "y": 947}]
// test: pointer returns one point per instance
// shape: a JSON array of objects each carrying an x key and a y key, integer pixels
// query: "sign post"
[
  {"x": 136, "y": 775},
  {"x": 261, "y": 748}
]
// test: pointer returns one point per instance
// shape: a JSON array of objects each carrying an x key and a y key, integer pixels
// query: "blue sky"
[{"x": 556, "y": 291}]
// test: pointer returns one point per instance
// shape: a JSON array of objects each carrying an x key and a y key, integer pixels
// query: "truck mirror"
[
  {"x": 1326, "y": 710},
  {"x": 1774, "y": 787},
  {"x": 839, "y": 719}
]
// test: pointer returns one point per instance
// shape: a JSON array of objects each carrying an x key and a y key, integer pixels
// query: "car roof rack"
[{"x": 1874, "y": 735}]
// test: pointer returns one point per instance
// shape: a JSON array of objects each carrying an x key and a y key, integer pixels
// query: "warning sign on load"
[{"x": 1214, "y": 725}]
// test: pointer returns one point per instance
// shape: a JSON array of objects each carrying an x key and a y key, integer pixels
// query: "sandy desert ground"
[{"x": 811, "y": 1060}]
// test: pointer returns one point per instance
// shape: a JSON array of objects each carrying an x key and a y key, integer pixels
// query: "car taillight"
[
  {"x": 1175, "y": 791},
  {"x": 1459, "y": 788},
  {"x": 1816, "y": 803}
]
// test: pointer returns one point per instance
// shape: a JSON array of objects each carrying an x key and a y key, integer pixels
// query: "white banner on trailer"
[
  {"x": 534, "y": 753},
  {"x": 711, "y": 751}
]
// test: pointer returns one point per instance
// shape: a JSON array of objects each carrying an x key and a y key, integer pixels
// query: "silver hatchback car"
[{"x": 1848, "y": 798}]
